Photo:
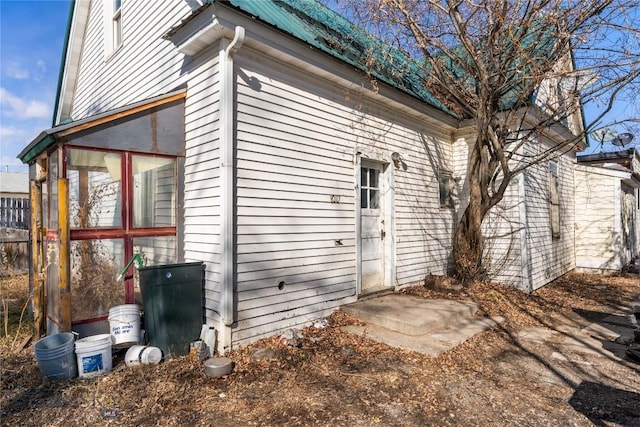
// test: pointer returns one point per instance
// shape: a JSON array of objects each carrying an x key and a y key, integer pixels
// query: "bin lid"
[{"x": 176, "y": 265}]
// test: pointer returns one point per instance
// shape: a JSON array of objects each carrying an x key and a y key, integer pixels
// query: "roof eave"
[
  {"x": 48, "y": 137},
  {"x": 37, "y": 146},
  {"x": 76, "y": 25},
  {"x": 199, "y": 30},
  {"x": 610, "y": 157}
]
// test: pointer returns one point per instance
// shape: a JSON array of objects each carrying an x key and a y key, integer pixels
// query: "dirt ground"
[{"x": 341, "y": 380}]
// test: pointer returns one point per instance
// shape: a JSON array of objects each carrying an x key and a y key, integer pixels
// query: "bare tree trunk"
[{"x": 468, "y": 242}]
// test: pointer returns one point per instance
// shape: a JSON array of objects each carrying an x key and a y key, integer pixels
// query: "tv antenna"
[
  {"x": 609, "y": 135},
  {"x": 622, "y": 139}
]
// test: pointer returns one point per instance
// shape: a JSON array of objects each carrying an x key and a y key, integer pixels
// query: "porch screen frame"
[{"x": 126, "y": 231}]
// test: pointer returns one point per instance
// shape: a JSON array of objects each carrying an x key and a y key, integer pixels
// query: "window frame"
[
  {"x": 554, "y": 202},
  {"x": 126, "y": 231},
  {"x": 445, "y": 200},
  {"x": 365, "y": 171},
  {"x": 116, "y": 21},
  {"x": 112, "y": 26}
]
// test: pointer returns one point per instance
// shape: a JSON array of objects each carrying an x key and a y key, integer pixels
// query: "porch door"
[{"x": 372, "y": 232}]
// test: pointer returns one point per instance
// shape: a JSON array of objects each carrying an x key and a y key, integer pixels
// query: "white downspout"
[
  {"x": 525, "y": 260},
  {"x": 227, "y": 238},
  {"x": 358, "y": 220}
]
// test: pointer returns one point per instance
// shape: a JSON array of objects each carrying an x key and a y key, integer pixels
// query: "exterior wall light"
[{"x": 397, "y": 158}]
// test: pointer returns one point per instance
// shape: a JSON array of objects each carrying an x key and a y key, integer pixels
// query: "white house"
[
  {"x": 242, "y": 135},
  {"x": 608, "y": 226}
]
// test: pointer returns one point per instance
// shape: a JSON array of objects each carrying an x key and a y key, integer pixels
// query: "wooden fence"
[
  {"x": 14, "y": 213},
  {"x": 14, "y": 251}
]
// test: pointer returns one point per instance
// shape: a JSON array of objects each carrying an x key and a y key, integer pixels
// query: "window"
[
  {"x": 95, "y": 191},
  {"x": 154, "y": 184},
  {"x": 445, "y": 184},
  {"x": 369, "y": 188},
  {"x": 117, "y": 23},
  {"x": 112, "y": 25},
  {"x": 120, "y": 204},
  {"x": 554, "y": 200}
]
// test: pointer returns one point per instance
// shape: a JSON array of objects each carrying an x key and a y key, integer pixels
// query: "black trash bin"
[{"x": 172, "y": 301}]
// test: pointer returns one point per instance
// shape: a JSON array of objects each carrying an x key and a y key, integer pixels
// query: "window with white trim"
[
  {"x": 112, "y": 25},
  {"x": 445, "y": 186},
  {"x": 116, "y": 21},
  {"x": 554, "y": 200}
]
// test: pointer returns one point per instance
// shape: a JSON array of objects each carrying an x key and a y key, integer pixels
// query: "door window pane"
[
  {"x": 374, "y": 199},
  {"x": 154, "y": 191},
  {"x": 373, "y": 178},
  {"x": 369, "y": 188},
  {"x": 95, "y": 190}
]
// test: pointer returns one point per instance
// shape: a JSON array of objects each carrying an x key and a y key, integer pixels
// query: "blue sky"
[{"x": 31, "y": 37}]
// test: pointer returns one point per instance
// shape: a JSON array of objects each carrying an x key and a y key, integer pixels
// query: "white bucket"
[
  {"x": 124, "y": 321},
  {"x": 94, "y": 355},
  {"x": 142, "y": 355}
]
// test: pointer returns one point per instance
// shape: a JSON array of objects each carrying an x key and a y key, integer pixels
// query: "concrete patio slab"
[
  {"x": 418, "y": 324},
  {"x": 410, "y": 315},
  {"x": 432, "y": 343}
]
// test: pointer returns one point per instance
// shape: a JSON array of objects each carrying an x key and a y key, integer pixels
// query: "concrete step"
[
  {"x": 432, "y": 343},
  {"x": 411, "y": 315}
]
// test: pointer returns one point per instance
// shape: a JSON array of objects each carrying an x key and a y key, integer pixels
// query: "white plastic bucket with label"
[
  {"x": 124, "y": 321},
  {"x": 142, "y": 355},
  {"x": 94, "y": 355}
]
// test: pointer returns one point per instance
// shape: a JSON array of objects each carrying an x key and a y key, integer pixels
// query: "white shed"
[{"x": 608, "y": 223}]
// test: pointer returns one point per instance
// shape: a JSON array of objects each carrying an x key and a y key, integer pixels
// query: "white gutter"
[{"x": 227, "y": 143}]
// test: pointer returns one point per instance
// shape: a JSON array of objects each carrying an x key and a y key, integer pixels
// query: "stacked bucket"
[
  {"x": 61, "y": 357},
  {"x": 55, "y": 356},
  {"x": 124, "y": 321}
]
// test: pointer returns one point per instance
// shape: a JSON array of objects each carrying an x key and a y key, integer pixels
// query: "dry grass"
[{"x": 17, "y": 325}]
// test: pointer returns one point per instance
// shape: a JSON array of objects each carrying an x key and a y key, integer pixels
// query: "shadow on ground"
[{"x": 604, "y": 405}]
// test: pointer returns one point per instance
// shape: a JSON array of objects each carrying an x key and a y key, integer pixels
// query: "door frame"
[{"x": 387, "y": 189}]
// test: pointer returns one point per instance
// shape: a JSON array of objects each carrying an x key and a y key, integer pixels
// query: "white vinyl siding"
[
  {"x": 144, "y": 66},
  {"x": 549, "y": 258},
  {"x": 288, "y": 229},
  {"x": 503, "y": 245},
  {"x": 202, "y": 177},
  {"x": 598, "y": 226},
  {"x": 296, "y": 147},
  {"x": 519, "y": 248}
]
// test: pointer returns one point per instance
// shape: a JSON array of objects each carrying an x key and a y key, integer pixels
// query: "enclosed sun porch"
[{"x": 104, "y": 200}]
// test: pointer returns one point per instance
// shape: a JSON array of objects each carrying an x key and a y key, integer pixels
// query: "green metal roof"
[
  {"x": 324, "y": 29},
  {"x": 329, "y": 32}
]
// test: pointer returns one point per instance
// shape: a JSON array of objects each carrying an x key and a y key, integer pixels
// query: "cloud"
[
  {"x": 23, "y": 109},
  {"x": 15, "y": 71},
  {"x": 40, "y": 72},
  {"x": 9, "y": 131}
]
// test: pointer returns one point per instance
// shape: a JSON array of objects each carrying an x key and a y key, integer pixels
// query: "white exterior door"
[{"x": 372, "y": 230}]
